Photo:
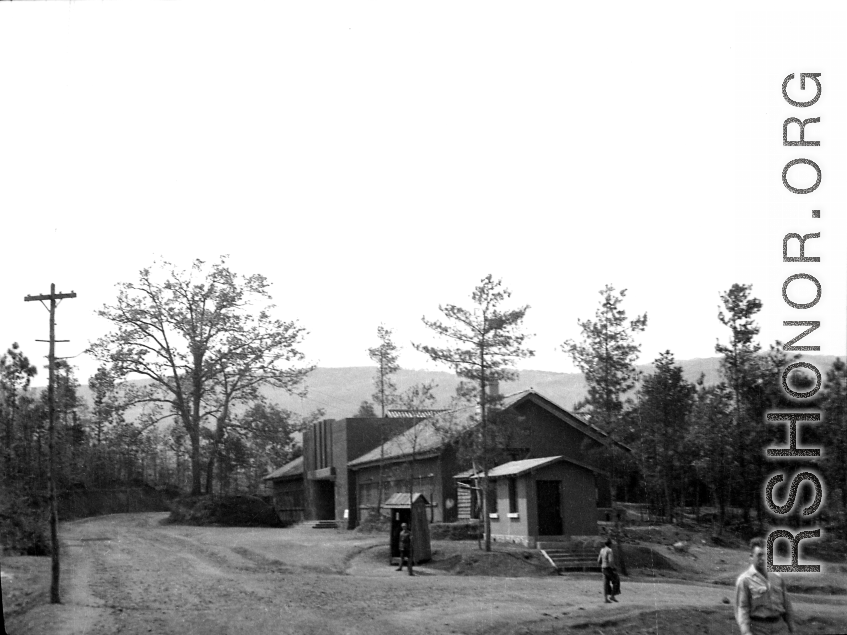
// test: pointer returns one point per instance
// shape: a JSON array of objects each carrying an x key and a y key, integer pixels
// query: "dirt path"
[{"x": 130, "y": 574}]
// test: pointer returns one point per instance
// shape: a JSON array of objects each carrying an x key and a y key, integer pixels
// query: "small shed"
[{"x": 411, "y": 510}]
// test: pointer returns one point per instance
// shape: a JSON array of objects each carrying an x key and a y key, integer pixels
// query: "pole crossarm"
[{"x": 49, "y": 296}]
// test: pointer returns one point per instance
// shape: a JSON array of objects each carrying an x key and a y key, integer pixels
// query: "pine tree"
[
  {"x": 483, "y": 343},
  {"x": 665, "y": 400},
  {"x": 606, "y": 355},
  {"x": 385, "y": 356},
  {"x": 739, "y": 367}
]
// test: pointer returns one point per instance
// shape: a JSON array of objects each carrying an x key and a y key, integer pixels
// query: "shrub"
[
  {"x": 232, "y": 511},
  {"x": 24, "y": 519}
]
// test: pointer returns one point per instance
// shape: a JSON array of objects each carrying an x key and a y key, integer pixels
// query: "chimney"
[{"x": 494, "y": 388}]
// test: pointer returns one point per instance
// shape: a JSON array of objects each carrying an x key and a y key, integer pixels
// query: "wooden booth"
[{"x": 414, "y": 514}]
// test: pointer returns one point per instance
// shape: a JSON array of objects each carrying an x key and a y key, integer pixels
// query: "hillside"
[{"x": 339, "y": 391}]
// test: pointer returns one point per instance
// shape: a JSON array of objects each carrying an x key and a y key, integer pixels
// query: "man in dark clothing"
[
  {"x": 405, "y": 546},
  {"x": 611, "y": 581}
]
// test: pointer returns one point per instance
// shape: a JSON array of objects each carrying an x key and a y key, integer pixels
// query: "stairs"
[
  {"x": 325, "y": 524},
  {"x": 566, "y": 556}
]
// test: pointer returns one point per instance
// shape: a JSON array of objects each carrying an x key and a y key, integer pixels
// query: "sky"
[{"x": 377, "y": 159}]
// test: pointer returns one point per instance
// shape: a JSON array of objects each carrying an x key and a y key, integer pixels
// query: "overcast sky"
[{"x": 375, "y": 159}]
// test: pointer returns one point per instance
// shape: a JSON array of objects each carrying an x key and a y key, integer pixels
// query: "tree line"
[
  {"x": 688, "y": 445},
  {"x": 696, "y": 445},
  {"x": 177, "y": 400}
]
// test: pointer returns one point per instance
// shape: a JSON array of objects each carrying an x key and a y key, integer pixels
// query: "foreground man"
[{"x": 761, "y": 601}]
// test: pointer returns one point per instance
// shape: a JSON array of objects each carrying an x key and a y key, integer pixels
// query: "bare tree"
[{"x": 205, "y": 341}]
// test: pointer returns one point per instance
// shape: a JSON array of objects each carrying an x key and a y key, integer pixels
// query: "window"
[
  {"x": 492, "y": 496},
  {"x": 513, "y": 495}
]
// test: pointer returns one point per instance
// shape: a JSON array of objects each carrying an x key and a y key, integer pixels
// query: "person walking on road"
[
  {"x": 611, "y": 581},
  {"x": 762, "y": 604}
]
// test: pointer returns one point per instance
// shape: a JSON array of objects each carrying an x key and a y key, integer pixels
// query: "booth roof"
[{"x": 402, "y": 500}]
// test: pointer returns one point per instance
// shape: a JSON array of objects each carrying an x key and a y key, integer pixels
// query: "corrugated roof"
[
  {"x": 423, "y": 438},
  {"x": 516, "y": 468},
  {"x": 292, "y": 468},
  {"x": 401, "y": 413}
]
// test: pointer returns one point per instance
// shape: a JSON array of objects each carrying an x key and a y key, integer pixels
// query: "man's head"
[
  {"x": 402, "y": 525},
  {"x": 757, "y": 555},
  {"x": 608, "y": 542}
]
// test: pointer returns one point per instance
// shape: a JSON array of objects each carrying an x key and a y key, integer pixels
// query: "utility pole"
[{"x": 51, "y": 464}]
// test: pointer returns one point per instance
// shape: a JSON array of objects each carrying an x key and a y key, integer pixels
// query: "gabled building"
[
  {"x": 539, "y": 428},
  {"x": 342, "y": 460}
]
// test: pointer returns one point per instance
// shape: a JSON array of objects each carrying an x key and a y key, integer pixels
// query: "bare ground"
[{"x": 132, "y": 574}]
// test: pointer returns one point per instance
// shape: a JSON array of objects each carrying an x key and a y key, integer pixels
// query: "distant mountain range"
[{"x": 340, "y": 391}]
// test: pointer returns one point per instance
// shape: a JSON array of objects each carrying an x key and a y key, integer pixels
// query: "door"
[{"x": 549, "y": 508}]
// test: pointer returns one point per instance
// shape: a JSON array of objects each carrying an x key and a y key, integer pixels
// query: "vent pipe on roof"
[{"x": 494, "y": 388}]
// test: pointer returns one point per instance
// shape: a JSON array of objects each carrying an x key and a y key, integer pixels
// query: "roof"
[
  {"x": 516, "y": 468},
  {"x": 402, "y": 500},
  {"x": 292, "y": 468},
  {"x": 427, "y": 438},
  {"x": 405, "y": 413}
]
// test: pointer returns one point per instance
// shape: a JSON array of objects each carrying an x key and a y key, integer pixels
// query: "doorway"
[{"x": 549, "y": 508}]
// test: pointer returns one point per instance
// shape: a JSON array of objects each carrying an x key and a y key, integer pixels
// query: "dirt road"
[{"x": 130, "y": 574}]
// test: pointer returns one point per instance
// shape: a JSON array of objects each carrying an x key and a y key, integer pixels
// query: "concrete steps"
[
  {"x": 325, "y": 524},
  {"x": 566, "y": 557}
]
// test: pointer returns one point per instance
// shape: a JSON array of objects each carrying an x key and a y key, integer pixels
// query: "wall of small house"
[
  {"x": 578, "y": 493},
  {"x": 427, "y": 481},
  {"x": 578, "y": 498},
  {"x": 507, "y": 526}
]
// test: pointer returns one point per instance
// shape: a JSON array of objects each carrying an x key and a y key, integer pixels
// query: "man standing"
[
  {"x": 405, "y": 545},
  {"x": 761, "y": 601},
  {"x": 611, "y": 584}
]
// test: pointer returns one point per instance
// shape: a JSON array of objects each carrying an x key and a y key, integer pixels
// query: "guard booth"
[{"x": 414, "y": 514}]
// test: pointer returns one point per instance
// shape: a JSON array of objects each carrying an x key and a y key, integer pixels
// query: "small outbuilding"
[
  {"x": 411, "y": 510},
  {"x": 545, "y": 499},
  {"x": 287, "y": 490}
]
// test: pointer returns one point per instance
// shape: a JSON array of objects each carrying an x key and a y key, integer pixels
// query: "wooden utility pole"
[{"x": 51, "y": 464}]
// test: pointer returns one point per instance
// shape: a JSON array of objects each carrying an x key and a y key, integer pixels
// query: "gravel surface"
[{"x": 129, "y": 573}]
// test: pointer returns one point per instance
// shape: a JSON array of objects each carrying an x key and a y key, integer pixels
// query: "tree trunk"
[
  {"x": 210, "y": 469},
  {"x": 668, "y": 499},
  {"x": 195, "y": 463}
]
